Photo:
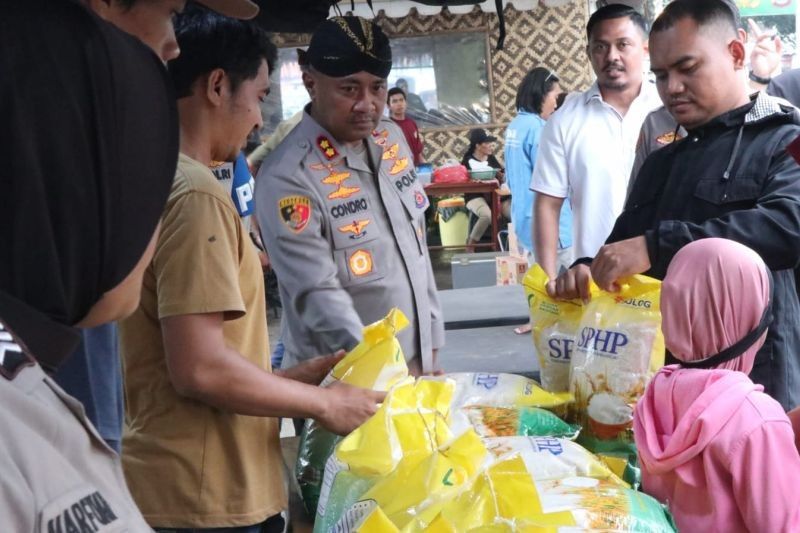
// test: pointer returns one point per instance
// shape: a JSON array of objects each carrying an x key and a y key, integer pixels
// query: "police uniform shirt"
[
  {"x": 57, "y": 473},
  {"x": 347, "y": 245},
  {"x": 658, "y": 130}
]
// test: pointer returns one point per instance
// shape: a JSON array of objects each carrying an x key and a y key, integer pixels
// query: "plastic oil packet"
[{"x": 377, "y": 362}]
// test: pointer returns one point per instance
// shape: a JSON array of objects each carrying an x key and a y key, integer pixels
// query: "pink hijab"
[{"x": 713, "y": 295}]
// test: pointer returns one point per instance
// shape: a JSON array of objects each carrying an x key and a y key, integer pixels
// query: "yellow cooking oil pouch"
[
  {"x": 408, "y": 427},
  {"x": 503, "y": 491},
  {"x": 376, "y": 522},
  {"x": 554, "y": 324},
  {"x": 377, "y": 363},
  {"x": 414, "y": 493}
]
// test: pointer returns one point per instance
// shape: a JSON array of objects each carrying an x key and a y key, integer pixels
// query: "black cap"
[
  {"x": 479, "y": 136},
  {"x": 342, "y": 46}
]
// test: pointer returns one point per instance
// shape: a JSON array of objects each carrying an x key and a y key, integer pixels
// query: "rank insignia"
[
  {"x": 295, "y": 212},
  {"x": 668, "y": 138},
  {"x": 356, "y": 229},
  {"x": 360, "y": 263},
  {"x": 327, "y": 147}
]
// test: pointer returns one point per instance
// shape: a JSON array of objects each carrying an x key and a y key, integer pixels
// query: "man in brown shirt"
[{"x": 201, "y": 449}]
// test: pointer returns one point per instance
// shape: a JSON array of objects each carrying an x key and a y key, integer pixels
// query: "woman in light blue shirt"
[{"x": 536, "y": 101}]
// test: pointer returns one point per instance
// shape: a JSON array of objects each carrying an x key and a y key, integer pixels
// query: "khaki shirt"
[
  {"x": 189, "y": 464},
  {"x": 56, "y": 472},
  {"x": 347, "y": 243}
]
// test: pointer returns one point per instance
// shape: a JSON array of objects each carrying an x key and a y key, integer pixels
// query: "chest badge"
[
  {"x": 326, "y": 146},
  {"x": 295, "y": 212},
  {"x": 356, "y": 229},
  {"x": 380, "y": 137},
  {"x": 668, "y": 138},
  {"x": 397, "y": 165},
  {"x": 360, "y": 263},
  {"x": 337, "y": 178}
]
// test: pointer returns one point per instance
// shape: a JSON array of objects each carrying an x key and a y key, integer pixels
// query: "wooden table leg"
[{"x": 497, "y": 212}]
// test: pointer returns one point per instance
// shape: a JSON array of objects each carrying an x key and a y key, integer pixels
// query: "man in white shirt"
[{"x": 587, "y": 148}]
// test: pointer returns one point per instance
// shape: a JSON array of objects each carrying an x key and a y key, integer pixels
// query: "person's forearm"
[
  {"x": 546, "y": 212},
  {"x": 794, "y": 418},
  {"x": 233, "y": 383}
]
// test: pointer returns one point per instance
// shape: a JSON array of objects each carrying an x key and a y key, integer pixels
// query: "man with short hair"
[
  {"x": 587, "y": 148},
  {"x": 731, "y": 177},
  {"x": 201, "y": 447},
  {"x": 341, "y": 209},
  {"x": 660, "y": 128},
  {"x": 396, "y": 99}
]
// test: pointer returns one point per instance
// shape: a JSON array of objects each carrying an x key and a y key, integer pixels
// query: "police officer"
[{"x": 341, "y": 209}]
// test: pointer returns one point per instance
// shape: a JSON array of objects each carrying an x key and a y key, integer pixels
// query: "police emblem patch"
[
  {"x": 295, "y": 212},
  {"x": 360, "y": 263},
  {"x": 356, "y": 229}
]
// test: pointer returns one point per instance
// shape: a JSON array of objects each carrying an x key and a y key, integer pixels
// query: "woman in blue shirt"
[{"x": 536, "y": 101}]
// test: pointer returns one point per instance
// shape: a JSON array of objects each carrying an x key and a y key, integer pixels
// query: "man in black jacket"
[{"x": 730, "y": 177}]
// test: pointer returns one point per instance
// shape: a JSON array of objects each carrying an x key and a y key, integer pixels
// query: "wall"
[{"x": 549, "y": 37}]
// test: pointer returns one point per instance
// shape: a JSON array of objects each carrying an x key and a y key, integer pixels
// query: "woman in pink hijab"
[{"x": 711, "y": 444}]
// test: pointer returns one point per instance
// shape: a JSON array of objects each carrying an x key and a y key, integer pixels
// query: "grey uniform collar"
[{"x": 330, "y": 151}]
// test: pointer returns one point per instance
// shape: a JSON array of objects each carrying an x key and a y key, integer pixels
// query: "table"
[{"x": 470, "y": 187}]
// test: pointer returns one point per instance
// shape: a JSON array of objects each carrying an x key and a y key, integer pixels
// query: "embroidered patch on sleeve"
[{"x": 295, "y": 212}]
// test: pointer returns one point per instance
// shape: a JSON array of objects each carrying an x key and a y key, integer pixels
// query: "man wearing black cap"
[
  {"x": 480, "y": 156},
  {"x": 341, "y": 210}
]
